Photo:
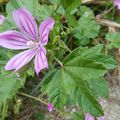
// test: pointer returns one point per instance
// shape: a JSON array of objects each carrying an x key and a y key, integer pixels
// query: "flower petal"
[
  {"x": 20, "y": 60},
  {"x": 13, "y": 40},
  {"x": 40, "y": 60},
  {"x": 50, "y": 107},
  {"x": 45, "y": 28},
  {"x": 26, "y": 23},
  {"x": 89, "y": 117}
]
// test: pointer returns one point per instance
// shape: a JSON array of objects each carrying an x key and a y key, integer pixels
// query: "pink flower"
[
  {"x": 117, "y": 3},
  {"x": 27, "y": 38},
  {"x": 50, "y": 107},
  {"x": 2, "y": 18}
]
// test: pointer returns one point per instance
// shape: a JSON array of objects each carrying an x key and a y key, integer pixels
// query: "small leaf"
[
  {"x": 85, "y": 30},
  {"x": 70, "y": 5},
  {"x": 114, "y": 39},
  {"x": 86, "y": 11}
]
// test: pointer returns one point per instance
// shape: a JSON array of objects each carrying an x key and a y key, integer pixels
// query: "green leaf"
[
  {"x": 54, "y": 1},
  {"x": 77, "y": 116},
  {"x": 46, "y": 80},
  {"x": 15, "y": 4},
  {"x": 85, "y": 68},
  {"x": 32, "y": 6},
  {"x": 84, "y": 52},
  {"x": 108, "y": 61},
  {"x": 43, "y": 12},
  {"x": 99, "y": 87},
  {"x": 7, "y": 25},
  {"x": 73, "y": 83},
  {"x": 63, "y": 84},
  {"x": 94, "y": 53},
  {"x": 9, "y": 84},
  {"x": 86, "y": 11},
  {"x": 71, "y": 20},
  {"x": 56, "y": 90},
  {"x": 85, "y": 30},
  {"x": 114, "y": 40},
  {"x": 69, "y": 5},
  {"x": 83, "y": 96}
]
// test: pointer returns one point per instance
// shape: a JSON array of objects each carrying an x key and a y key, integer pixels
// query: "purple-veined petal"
[
  {"x": 89, "y": 117},
  {"x": 45, "y": 28},
  {"x": 40, "y": 60},
  {"x": 26, "y": 23},
  {"x": 13, "y": 40},
  {"x": 20, "y": 60},
  {"x": 2, "y": 18}
]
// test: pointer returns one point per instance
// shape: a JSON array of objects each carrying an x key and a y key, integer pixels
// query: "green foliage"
[
  {"x": 3, "y": 56},
  {"x": 76, "y": 75},
  {"x": 9, "y": 84},
  {"x": 64, "y": 84},
  {"x": 47, "y": 10},
  {"x": 77, "y": 116},
  {"x": 85, "y": 30},
  {"x": 113, "y": 39},
  {"x": 69, "y": 80},
  {"x": 71, "y": 20},
  {"x": 93, "y": 54},
  {"x": 85, "y": 11},
  {"x": 70, "y": 5}
]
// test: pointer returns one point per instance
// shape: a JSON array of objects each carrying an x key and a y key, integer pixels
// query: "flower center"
[{"x": 32, "y": 44}]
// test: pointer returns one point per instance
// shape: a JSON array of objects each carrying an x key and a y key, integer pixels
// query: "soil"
[{"x": 112, "y": 106}]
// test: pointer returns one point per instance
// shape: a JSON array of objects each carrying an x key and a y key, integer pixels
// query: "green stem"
[
  {"x": 32, "y": 97},
  {"x": 69, "y": 49},
  {"x": 61, "y": 64},
  {"x": 42, "y": 101},
  {"x": 2, "y": 8}
]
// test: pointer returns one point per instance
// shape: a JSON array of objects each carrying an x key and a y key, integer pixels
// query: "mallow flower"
[
  {"x": 2, "y": 18},
  {"x": 117, "y": 3},
  {"x": 27, "y": 39},
  {"x": 50, "y": 107}
]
